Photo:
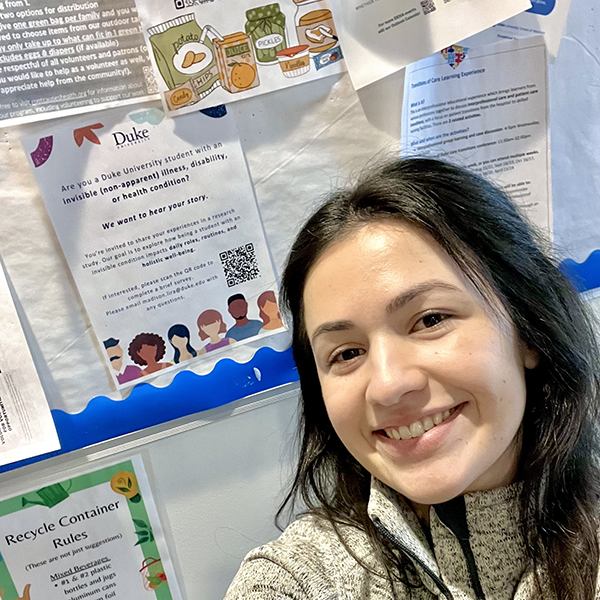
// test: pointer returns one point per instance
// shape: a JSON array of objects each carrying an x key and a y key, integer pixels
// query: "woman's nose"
[{"x": 393, "y": 371}]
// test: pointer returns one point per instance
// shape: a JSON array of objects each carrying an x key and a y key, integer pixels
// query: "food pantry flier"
[
  {"x": 159, "y": 224},
  {"x": 209, "y": 53},
  {"x": 95, "y": 536}
]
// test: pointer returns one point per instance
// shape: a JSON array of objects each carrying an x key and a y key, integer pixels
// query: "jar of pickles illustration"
[
  {"x": 266, "y": 27},
  {"x": 236, "y": 62},
  {"x": 314, "y": 25}
]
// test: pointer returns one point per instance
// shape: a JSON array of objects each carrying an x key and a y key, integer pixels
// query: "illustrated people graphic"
[
  {"x": 115, "y": 355},
  {"x": 147, "y": 349},
  {"x": 269, "y": 311},
  {"x": 211, "y": 325},
  {"x": 179, "y": 337},
  {"x": 244, "y": 327}
]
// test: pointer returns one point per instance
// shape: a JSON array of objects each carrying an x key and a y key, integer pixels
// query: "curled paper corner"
[{"x": 257, "y": 374}]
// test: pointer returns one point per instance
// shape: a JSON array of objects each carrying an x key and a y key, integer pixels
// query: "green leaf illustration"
[
  {"x": 140, "y": 523},
  {"x": 142, "y": 540}
]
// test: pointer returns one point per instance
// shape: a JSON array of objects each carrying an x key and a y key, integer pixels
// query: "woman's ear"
[{"x": 531, "y": 358}]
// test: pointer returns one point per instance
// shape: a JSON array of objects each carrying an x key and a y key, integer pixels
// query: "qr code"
[
  {"x": 428, "y": 6},
  {"x": 239, "y": 264},
  {"x": 151, "y": 84}
]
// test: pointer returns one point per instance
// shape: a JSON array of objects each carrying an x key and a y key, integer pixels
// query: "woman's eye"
[
  {"x": 431, "y": 320},
  {"x": 346, "y": 355}
]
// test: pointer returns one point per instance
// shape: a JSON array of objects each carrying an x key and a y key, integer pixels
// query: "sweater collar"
[{"x": 493, "y": 521}]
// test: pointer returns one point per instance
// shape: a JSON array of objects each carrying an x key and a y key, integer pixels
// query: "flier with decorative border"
[
  {"x": 380, "y": 37},
  {"x": 486, "y": 109},
  {"x": 95, "y": 536},
  {"x": 160, "y": 226},
  {"x": 545, "y": 17},
  {"x": 26, "y": 425},
  {"x": 210, "y": 53},
  {"x": 63, "y": 58}
]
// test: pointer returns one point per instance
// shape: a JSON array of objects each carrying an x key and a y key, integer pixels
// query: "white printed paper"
[
  {"x": 546, "y": 17},
  {"x": 26, "y": 425},
  {"x": 486, "y": 108},
  {"x": 59, "y": 58},
  {"x": 93, "y": 536},
  {"x": 210, "y": 53},
  {"x": 159, "y": 224},
  {"x": 380, "y": 37}
]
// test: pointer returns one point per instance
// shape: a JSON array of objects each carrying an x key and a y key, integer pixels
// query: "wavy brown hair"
[{"x": 505, "y": 258}]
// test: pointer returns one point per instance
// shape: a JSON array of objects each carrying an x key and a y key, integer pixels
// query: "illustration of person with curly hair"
[
  {"x": 269, "y": 311},
  {"x": 147, "y": 349},
  {"x": 211, "y": 325},
  {"x": 179, "y": 337}
]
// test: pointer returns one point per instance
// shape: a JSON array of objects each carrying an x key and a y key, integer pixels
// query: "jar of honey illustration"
[
  {"x": 314, "y": 25},
  {"x": 236, "y": 62}
]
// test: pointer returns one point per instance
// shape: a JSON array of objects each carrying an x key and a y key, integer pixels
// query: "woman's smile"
[{"x": 423, "y": 380}]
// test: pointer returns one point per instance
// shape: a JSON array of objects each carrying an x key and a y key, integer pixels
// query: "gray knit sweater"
[{"x": 308, "y": 561}]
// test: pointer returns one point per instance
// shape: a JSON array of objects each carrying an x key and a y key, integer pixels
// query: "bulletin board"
[{"x": 299, "y": 143}]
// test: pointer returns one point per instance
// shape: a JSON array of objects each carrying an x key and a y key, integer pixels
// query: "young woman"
[
  {"x": 179, "y": 337},
  {"x": 269, "y": 311},
  {"x": 449, "y": 378},
  {"x": 211, "y": 325},
  {"x": 146, "y": 350}
]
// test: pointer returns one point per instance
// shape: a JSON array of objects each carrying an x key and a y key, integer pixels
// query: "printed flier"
[
  {"x": 62, "y": 58},
  {"x": 380, "y": 37},
  {"x": 486, "y": 108},
  {"x": 95, "y": 536},
  {"x": 159, "y": 224},
  {"x": 26, "y": 425},
  {"x": 207, "y": 53},
  {"x": 545, "y": 17}
]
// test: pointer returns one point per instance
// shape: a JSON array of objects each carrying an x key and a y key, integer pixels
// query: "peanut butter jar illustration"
[
  {"x": 185, "y": 58},
  {"x": 294, "y": 61},
  {"x": 314, "y": 25},
  {"x": 236, "y": 63}
]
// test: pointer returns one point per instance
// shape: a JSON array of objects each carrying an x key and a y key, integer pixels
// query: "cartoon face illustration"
[
  {"x": 179, "y": 337},
  {"x": 237, "y": 307},
  {"x": 115, "y": 353},
  {"x": 211, "y": 325},
  {"x": 269, "y": 311},
  {"x": 147, "y": 349}
]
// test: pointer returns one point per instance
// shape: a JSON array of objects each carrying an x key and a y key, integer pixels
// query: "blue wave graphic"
[
  {"x": 584, "y": 276},
  {"x": 104, "y": 419}
]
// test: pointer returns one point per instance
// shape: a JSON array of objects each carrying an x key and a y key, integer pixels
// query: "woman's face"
[
  {"x": 271, "y": 309},
  {"x": 179, "y": 342},
  {"x": 148, "y": 353},
  {"x": 212, "y": 329},
  {"x": 407, "y": 348}
]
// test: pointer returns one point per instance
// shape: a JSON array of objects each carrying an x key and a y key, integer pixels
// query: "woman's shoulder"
[{"x": 308, "y": 561}]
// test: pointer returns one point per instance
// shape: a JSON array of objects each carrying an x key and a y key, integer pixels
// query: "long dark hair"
[
  {"x": 480, "y": 229},
  {"x": 183, "y": 332}
]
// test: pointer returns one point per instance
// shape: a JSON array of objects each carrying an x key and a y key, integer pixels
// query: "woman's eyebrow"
[
  {"x": 411, "y": 293},
  {"x": 331, "y": 326}
]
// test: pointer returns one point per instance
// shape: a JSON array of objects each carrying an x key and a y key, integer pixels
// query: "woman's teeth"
[{"x": 418, "y": 428}]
